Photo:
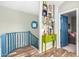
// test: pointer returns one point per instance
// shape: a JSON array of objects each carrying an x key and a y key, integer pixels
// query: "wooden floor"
[{"x": 32, "y": 52}]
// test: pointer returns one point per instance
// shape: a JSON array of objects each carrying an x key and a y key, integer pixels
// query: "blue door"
[{"x": 64, "y": 30}]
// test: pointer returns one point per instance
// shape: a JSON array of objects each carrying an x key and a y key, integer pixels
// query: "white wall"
[
  {"x": 68, "y": 5},
  {"x": 16, "y": 21}
]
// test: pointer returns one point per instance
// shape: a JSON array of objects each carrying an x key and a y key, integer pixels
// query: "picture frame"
[{"x": 34, "y": 24}]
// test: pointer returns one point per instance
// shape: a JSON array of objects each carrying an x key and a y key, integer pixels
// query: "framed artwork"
[{"x": 34, "y": 24}]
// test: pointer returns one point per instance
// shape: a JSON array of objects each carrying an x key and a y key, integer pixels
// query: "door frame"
[{"x": 67, "y": 11}]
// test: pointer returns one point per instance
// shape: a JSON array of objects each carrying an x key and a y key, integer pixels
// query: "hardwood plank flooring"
[{"x": 32, "y": 52}]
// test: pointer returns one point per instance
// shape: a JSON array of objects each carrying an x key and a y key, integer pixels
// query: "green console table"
[{"x": 48, "y": 38}]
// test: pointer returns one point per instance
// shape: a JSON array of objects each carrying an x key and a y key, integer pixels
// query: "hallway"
[
  {"x": 31, "y": 52},
  {"x": 70, "y": 48}
]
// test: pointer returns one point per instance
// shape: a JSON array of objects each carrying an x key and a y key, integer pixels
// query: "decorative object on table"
[{"x": 34, "y": 24}]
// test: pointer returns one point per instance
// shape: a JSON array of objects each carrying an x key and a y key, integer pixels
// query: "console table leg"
[
  {"x": 45, "y": 47},
  {"x": 53, "y": 44},
  {"x": 42, "y": 46}
]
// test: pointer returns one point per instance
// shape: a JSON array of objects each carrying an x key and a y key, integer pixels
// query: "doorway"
[{"x": 68, "y": 30}]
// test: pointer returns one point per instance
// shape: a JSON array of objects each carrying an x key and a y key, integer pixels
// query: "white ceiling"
[{"x": 26, "y": 6}]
